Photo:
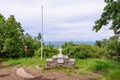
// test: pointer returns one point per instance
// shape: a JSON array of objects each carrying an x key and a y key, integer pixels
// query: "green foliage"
[
  {"x": 82, "y": 51},
  {"x": 110, "y": 14},
  {"x": 39, "y": 37},
  {"x": 13, "y": 40},
  {"x": 2, "y": 21},
  {"x": 110, "y": 47},
  {"x": 27, "y": 40},
  {"x": 10, "y": 37},
  {"x": 49, "y": 51}
]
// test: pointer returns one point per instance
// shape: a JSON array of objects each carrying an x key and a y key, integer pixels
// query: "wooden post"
[{"x": 26, "y": 49}]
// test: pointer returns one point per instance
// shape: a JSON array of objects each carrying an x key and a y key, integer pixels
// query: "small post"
[{"x": 26, "y": 49}]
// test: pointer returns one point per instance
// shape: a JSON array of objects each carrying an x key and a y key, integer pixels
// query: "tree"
[
  {"x": 11, "y": 34},
  {"x": 39, "y": 37},
  {"x": 111, "y": 13},
  {"x": 13, "y": 40},
  {"x": 2, "y": 22}
]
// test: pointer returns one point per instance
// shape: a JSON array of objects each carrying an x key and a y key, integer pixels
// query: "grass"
[
  {"x": 95, "y": 64},
  {"x": 108, "y": 69},
  {"x": 26, "y": 61},
  {"x": 114, "y": 75}
]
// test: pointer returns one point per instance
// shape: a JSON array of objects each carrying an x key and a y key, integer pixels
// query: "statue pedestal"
[{"x": 60, "y": 60}]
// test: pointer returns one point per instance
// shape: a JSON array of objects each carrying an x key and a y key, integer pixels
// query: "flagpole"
[{"x": 42, "y": 33}]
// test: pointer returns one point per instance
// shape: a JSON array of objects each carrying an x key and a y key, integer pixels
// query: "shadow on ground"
[
  {"x": 40, "y": 78},
  {"x": 4, "y": 75}
]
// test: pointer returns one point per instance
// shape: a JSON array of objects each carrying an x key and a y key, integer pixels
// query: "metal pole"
[{"x": 42, "y": 34}]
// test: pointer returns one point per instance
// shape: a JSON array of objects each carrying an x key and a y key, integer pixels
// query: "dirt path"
[{"x": 10, "y": 74}]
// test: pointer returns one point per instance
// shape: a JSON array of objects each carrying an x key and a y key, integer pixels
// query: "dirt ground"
[{"x": 8, "y": 72}]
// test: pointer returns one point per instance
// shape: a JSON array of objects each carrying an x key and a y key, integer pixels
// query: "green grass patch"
[
  {"x": 95, "y": 65},
  {"x": 26, "y": 61},
  {"x": 108, "y": 69},
  {"x": 113, "y": 75}
]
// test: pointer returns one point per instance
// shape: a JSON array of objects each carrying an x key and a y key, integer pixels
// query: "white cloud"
[{"x": 63, "y": 19}]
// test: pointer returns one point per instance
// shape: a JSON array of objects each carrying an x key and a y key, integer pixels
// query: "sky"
[{"x": 63, "y": 20}]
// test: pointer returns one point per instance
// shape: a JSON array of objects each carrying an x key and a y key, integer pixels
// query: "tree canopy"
[
  {"x": 13, "y": 39},
  {"x": 111, "y": 13}
]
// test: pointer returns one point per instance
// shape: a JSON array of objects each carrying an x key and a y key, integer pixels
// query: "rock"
[{"x": 21, "y": 72}]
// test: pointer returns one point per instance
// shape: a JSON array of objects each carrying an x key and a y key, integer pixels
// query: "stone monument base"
[{"x": 60, "y": 60}]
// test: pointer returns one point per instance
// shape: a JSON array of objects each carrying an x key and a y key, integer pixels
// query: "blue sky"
[{"x": 64, "y": 20}]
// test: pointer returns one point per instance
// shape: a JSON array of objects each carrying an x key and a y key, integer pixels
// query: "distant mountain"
[{"x": 59, "y": 43}]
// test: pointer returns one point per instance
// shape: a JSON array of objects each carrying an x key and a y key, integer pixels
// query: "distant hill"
[{"x": 59, "y": 43}]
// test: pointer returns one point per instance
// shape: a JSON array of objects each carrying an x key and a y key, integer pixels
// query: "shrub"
[
  {"x": 49, "y": 52},
  {"x": 81, "y": 51}
]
